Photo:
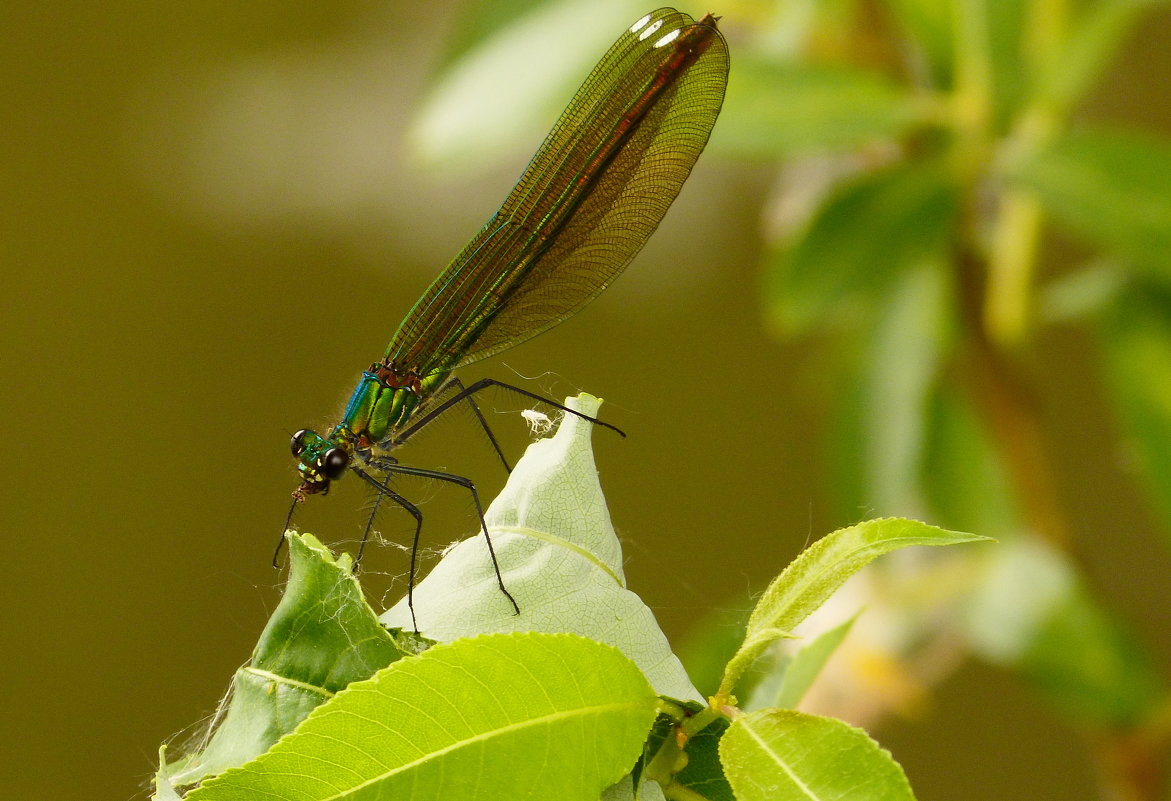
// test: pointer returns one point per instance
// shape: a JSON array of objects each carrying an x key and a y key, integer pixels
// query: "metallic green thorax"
[{"x": 383, "y": 402}]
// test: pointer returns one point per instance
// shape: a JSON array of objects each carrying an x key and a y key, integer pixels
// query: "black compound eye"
[
  {"x": 298, "y": 443},
  {"x": 333, "y": 464}
]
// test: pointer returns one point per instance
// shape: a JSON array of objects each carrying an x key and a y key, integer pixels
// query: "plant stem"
[
  {"x": 1010, "y": 412},
  {"x": 677, "y": 792},
  {"x": 1011, "y": 268}
]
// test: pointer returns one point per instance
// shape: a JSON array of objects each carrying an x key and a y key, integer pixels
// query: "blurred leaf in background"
[
  {"x": 941, "y": 212},
  {"x": 958, "y": 231},
  {"x": 951, "y": 164}
]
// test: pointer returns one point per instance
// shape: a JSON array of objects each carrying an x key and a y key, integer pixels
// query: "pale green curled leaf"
[
  {"x": 321, "y": 637},
  {"x": 1110, "y": 187},
  {"x": 775, "y": 109},
  {"x": 624, "y": 790},
  {"x": 501, "y": 716},
  {"x": 515, "y": 81},
  {"x": 164, "y": 783},
  {"x": 1035, "y": 615},
  {"x": 781, "y": 755},
  {"x": 863, "y": 238},
  {"x": 818, "y": 571},
  {"x": 558, "y": 556},
  {"x": 1136, "y": 338}
]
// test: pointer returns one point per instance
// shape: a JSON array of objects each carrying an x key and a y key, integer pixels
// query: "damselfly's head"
[{"x": 320, "y": 461}]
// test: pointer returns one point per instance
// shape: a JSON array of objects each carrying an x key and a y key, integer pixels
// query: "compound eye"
[
  {"x": 333, "y": 464},
  {"x": 298, "y": 443}
]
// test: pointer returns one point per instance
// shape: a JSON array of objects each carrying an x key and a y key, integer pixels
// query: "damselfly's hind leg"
[
  {"x": 391, "y": 467},
  {"x": 466, "y": 393}
]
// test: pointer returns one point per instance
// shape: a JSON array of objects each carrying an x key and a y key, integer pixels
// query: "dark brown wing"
[{"x": 587, "y": 202}]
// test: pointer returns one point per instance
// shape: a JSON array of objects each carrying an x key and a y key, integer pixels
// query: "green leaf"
[
  {"x": 881, "y": 427},
  {"x": 775, "y": 109},
  {"x": 1110, "y": 187},
  {"x": 500, "y": 716},
  {"x": 1093, "y": 39},
  {"x": 1007, "y": 25},
  {"x": 558, "y": 556},
  {"x": 782, "y": 675},
  {"x": 807, "y": 663},
  {"x": 624, "y": 790},
  {"x": 704, "y": 773},
  {"x": 818, "y": 571},
  {"x": 905, "y": 352},
  {"x": 1136, "y": 336},
  {"x": 321, "y": 637},
  {"x": 864, "y": 237},
  {"x": 1034, "y": 614},
  {"x": 164, "y": 782},
  {"x": 476, "y": 22},
  {"x": 958, "y": 456},
  {"x": 514, "y": 81},
  {"x": 662, "y": 734},
  {"x": 927, "y": 28},
  {"x": 1083, "y": 293},
  {"x": 776, "y": 755}
]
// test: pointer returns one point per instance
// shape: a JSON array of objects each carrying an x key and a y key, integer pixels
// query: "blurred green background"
[{"x": 217, "y": 213}]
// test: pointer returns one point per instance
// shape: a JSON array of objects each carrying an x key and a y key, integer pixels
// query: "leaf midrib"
[{"x": 512, "y": 727}]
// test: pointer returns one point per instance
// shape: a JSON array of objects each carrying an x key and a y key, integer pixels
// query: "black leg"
[
  {"x": 276, "y": 554},
  {"x": 466, "y": 483},
  {"x": 482, "y": 384},
  {"x": 461, "y": 390},
  {"x": 385, "y": 491}
]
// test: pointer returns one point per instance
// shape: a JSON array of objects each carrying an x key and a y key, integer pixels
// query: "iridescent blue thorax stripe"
[{"x": 383, "y": 401}]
